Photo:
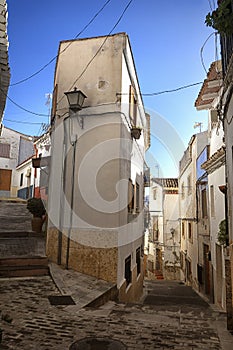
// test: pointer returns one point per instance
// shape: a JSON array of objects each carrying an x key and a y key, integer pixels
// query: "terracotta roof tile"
[
  {"x": 214, "y": 75},
  {"x": 167, "y": 182}
]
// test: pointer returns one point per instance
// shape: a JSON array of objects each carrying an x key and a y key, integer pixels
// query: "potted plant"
[
  {"x": 37, "y": 209},
  {"x": 221, "y": 19},
  {"x": 222, "y": 233},
  {"x": 136, "y": 132}
]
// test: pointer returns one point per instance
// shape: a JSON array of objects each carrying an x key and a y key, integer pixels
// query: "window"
[
  {"x": 155, "y": 228},
  {"x": 21, "y": 180},
  {"x": 138, "y": 260},
  {"x": 182, "y": 191},
  {"x": 132, "y": 106},
  {"x": 190, "y": 231},
  {"x": 137, "y": 197},
  {"x": 155, "y": 193},
  {"x": 128, "y": 273},
  {"x": 212, "y": 203},
  {"x": 130, "y": 196},
  {"x": 183, "y": 229},
  {"x": 5, "y": 150},
  {"x": 189, "y": 185},
  {"x": 189, "y": 270},
  {"x": 204, "y": 203},
  {"x": 190, "y": 151}
]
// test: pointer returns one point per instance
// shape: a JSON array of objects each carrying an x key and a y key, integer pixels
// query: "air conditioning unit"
[{"x": 28, "y": 173}]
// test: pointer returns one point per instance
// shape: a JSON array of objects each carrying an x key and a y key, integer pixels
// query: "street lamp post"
[{"x": 75, "y": 99}]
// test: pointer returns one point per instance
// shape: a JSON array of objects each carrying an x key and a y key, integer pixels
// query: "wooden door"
[
  {"x": 5, "y": 179},
  {"x": 206, "y": 268}
]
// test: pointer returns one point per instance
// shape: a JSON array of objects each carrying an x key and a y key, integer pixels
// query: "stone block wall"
[
  {"x": 229, "y": 289},
  {"x": 97, "y": 262},
  {"x": 134, "y": 291}
]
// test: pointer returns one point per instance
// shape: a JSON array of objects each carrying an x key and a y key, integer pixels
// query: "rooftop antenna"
[{"x": 198, "y": 125}]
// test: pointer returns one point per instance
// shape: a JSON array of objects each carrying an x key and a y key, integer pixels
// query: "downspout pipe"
[{"x": 73, "y": 144}]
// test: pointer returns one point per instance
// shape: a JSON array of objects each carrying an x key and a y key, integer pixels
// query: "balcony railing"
[
  {"x": 226, "y": 46},
  {"x": 226, "y": 51}
]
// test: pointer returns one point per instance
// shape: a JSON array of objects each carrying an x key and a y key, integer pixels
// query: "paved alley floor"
[{"x": 29, "y": 321}]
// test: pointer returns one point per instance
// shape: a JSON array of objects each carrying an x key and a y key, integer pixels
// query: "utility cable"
[
  {"x": 99, "y": 49},
  {"x": 211, "y": 7},
  {"x": 172, "y": 90},
  {"x": 20, "y": 122},
  {"x": 143, "y": 94},
  {"x": 55, "y": 57},
  {"x": 21, "y": 107},
  {"x": 201, "y": 51}
]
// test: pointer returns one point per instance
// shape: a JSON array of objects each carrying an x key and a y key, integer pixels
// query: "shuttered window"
[{"x": 5, "y": 150}]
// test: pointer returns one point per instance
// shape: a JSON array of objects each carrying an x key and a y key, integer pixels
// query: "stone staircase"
[
  {"x": 158, "y": 275},
  {"x": 22, "y": 252},
  {"x": 24, "y": 267}
]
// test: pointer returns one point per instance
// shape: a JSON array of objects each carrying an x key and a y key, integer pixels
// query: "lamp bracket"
[{"x": 80, "y": 121}]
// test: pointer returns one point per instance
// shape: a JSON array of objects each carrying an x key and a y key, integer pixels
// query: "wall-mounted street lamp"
[
  {"x": 172, "y": 230},
  {"x": 76, "y": 99}
]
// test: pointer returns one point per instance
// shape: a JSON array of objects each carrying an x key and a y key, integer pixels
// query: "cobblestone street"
[{"x": 38, "y": 325}]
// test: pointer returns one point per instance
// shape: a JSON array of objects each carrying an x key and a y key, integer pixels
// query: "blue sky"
[{"x": 166, "y": 39}]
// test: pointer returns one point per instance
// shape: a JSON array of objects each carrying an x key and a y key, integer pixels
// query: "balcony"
[
  {"x": 226, "y": 42},
  {"x": 226, "y": 51}
]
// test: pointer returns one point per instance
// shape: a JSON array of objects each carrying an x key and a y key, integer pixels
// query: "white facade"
[
  {"x": 97, "y": 167},
  {"x": 154, "y": 246},
  {"x": 23, "y": 179},
  {"x": 211, "y": 252},
  {"x": 171, "y": 236},
  {"x": 15, "y": 149},
  {"x": 41, "y": 174},
  {"x": 163, "y": 249},
  {"x": 188, "y": 209}
]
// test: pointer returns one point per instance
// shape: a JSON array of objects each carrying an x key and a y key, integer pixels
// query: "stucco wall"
[{"x": 92, "y": 163}]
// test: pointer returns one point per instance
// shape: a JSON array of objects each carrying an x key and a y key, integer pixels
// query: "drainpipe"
[
  {"x": 73, "y": 144},
  {"x": 61, "y": 211}
]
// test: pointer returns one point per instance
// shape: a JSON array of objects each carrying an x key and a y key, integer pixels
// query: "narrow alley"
[{"x": 170, "y": 315}]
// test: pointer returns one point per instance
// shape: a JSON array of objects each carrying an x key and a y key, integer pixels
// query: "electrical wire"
[
  {"x": 21, "y": 107},
  {"x": 20, "y": 122},
  {"x": 55, "y": 57},
  {"x": 201, "y": 51},
  {"x": 214, "y": 4},
  {"x": 172, "y": 90},
  {"x": 211, "y": 7},
  {"x": 143, "y": 94},
  {"x": 106, "y": 38}
]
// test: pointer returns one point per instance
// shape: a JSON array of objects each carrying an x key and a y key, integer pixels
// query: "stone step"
[
  {"x": 24, "y": 272},
  {"x": 25, "y": 261},
  {"x": 24, "y": 267},
  {"x": 21, "y": 244}
]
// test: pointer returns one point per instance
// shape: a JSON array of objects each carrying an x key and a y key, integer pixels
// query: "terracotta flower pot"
[{"x": 37, "y": 224}]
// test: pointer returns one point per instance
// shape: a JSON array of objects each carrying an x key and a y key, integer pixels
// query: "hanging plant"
[
  {"x": 222, "y": 233},
  {"x": 221, "y": 19}
]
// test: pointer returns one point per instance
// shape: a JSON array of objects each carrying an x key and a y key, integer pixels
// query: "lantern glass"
[{"x": 75, "y": 99}]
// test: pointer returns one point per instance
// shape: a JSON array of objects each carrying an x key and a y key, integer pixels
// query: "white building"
[
  {"x": 208, "y": 99},
  {"x": 31, "y": 176},
  {"x": 188, "y": 176},
  {"x": 225, "y": 109},
  {"x": 163, "y": 252},
  {"x": 96, "y": 221},
  {"x": 155, "y": 244},
  {"x": 15, "y": 148}
]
